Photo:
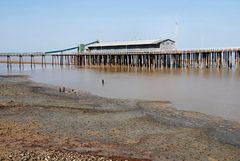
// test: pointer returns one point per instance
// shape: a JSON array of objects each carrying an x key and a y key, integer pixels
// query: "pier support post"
[
  {"x": 207, "y": 59},
  {"x": 142, "y": 61},
  {"x": 115, "y": 60},
  {"x": 32, "y": 62},
  {"x": 211, "y": 60},
  {"x": 233, "y": 59},
  {"x": 223, "y": 59},
  {"x": 195, "y": 56},
  {"x": 149, "y": 61},
  {"x": 21, "y": 63},
  {"x": 182, "y": 60},
  {"x": 162, "y": 61},
  {"x": 90, "y": 60},
  {"x": 43, "y": 61},
  {"x": 200, "y": 59},
  {"x": 155, "y": 61},
  {"x": 122, "y": 60},
  {"x": 187, "y": 58},
  {"x": 61, "y": 60},
  {"x": 230, "y": 60},
  {"x": 171, "y": 61},
  {"x": 84, "y": 60},
  {"x": 191, "y": 60},
  {"x": 237, "y": 60},
  {"x": 102, "y": 60},
  {"x": 53, "y": 57},
  {"x": 9, "y": 63},
  {"x": 219, "y": 60},
  {"x": 166, "y": 60},
  {"x": 158, "y": 61}
]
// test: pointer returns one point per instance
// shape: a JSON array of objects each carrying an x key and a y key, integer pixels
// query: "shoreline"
[{"x": 38, "y": 117}]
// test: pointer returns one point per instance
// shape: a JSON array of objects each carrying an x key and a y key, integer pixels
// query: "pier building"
[{"x": 137, "y": 45}]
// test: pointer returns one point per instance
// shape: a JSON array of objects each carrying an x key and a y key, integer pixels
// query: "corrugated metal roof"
[{"x": 123, "y": 43}]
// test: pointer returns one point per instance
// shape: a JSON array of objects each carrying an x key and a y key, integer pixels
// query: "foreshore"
[{"x": 38, "y": 122}]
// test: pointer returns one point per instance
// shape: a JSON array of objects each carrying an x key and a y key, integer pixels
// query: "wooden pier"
[{"x": 205, "y": 58}]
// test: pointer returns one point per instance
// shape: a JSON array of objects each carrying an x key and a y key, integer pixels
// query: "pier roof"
[{"x": 124, "y": 43}]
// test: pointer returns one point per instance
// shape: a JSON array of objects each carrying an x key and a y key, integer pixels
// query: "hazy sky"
[{"x": 42, "y": 25}]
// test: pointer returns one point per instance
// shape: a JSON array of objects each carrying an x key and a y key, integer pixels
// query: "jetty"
[
  {"x": 152, "y": 54},
  {"x": 194, "y": 58}
]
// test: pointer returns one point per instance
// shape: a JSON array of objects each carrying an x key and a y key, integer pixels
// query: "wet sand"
[{"x": 38, "y": 122}]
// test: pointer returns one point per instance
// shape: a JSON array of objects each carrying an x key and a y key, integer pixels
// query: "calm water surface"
[{"x": 208, "y": 91}]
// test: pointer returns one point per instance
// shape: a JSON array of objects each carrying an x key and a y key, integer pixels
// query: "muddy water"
[{"x": 209, "y": 91}]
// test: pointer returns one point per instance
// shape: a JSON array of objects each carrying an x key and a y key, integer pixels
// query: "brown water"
[{"x": 214, "y": 92}]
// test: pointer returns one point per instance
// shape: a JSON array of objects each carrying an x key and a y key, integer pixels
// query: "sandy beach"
[{"x": 38, "y": 122}]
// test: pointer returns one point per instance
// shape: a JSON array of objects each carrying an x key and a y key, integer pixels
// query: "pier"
[{"x": 152, "y": 59}]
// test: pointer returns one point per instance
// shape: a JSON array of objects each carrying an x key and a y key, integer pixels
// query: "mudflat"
[{"x": 38, "y": 122}]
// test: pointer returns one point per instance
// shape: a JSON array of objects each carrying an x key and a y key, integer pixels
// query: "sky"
[{"x": 44, "y": 25}]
